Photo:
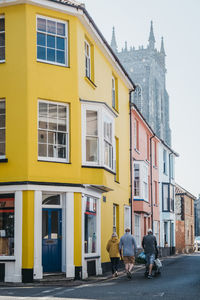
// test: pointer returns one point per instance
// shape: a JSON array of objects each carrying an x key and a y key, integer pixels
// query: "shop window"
[
  {"x": 51, "y": 41},
  {"x": 90, "y": 220},
  {"x": 7, "y": 203},
  {"x": 2, "y": 39},
  {"x": 53, "y": 135}
]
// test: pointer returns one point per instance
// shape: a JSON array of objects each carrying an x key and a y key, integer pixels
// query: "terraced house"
[{"x": 64, "y": 157}]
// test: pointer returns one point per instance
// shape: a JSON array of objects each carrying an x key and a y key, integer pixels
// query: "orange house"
[{"x": 145, "y": 177}]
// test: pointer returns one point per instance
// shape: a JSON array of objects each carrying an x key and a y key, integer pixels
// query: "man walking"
[
  {"x": 128, "y": 245},
  {"x": 149, "y": 244}
]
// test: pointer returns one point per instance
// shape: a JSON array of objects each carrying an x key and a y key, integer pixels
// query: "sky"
[{"x": 178, "y": 22}]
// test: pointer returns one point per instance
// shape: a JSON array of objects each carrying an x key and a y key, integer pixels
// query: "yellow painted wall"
[
  {"x": 31, "y": 80},
  {"x": 28, "y": 230}
]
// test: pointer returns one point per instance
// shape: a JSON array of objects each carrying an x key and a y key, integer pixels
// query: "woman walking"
[{"x": 113, "y": 250}]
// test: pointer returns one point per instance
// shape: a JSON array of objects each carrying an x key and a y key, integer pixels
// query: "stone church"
[{"x": 146, "y": 66}]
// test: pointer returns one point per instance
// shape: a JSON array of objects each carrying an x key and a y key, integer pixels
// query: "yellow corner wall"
[{"x": 28, "y": 230}]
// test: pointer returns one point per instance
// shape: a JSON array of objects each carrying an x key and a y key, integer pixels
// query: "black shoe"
[
  {"x": 129, "y": 275},
  {"x": 149, "y": 277}
]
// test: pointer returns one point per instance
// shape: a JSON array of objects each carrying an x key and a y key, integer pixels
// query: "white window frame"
[
  {"x": 3, "y": 156},
  {"x": 137, "y": 230},
  {"x": 103, "y": 113},
  {"x": 3, "y": 60},
  {"x": 113, "y": 92},
  {"x": 56, "y": 35},
  {"x": 87, "y": 60},
  {"x": 127, "y": 217},
  {"x": 55, "y": 159},
  {"x": 143, "y": 181}
]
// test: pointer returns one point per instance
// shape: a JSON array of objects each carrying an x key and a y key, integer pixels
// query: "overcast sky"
[{"x": 178, "y": 21}]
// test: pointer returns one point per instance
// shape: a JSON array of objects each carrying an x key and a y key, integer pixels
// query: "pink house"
[{"x": 145, "y": 178}]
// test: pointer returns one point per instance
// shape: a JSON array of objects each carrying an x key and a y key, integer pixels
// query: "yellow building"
[{"x": 64, "y": 141}]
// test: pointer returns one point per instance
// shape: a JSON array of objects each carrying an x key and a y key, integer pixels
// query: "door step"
[{"x": 53, "y": 278}]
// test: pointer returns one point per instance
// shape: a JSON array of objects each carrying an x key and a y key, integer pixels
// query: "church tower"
[{"x": 146, "y": 67}]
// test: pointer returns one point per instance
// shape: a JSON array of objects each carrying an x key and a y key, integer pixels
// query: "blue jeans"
[{"x": 150, "y": 259}]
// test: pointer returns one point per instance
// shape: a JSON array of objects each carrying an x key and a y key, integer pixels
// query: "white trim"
[
  {"x": 69, "y": 233},
  {"x": 55, "y": 159},
  {"x": 38, "y": 269},
  {"x": 65, "y": 37},
  {"x": 78, "y": 12}
]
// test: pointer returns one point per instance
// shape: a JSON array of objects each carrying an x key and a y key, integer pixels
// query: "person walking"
[
  {"x": 128, "y": 246},
  {"x": 149, "y": 245},
  {"x": 113, "y": 250}
]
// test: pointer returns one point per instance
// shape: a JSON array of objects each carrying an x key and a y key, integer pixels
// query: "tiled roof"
[{"x": 71, "y": 2}]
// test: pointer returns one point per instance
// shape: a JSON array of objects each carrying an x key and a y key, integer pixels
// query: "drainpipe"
[
  {"x": 131, "y": 160},
  {"x": 151, "y": 180},
  {"x": 170, "y": 203}
]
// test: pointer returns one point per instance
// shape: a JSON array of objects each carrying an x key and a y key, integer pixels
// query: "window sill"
[
  {"x": 90, "y": 256},
  {"x": 52, "y": 63},
  {"x": 3, "y": 160},
  {"x": 2, "y": 61},
  {"x": 7, "y": 258},
  {"x": 54, "y": 161},
  {"x": 90, "y": 82},
  {"x": 98, "y": 167}
]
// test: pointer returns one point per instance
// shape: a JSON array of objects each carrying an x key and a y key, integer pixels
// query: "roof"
[
  {"x": 81, "y": 6},
  {"x": 71, "y": 2},
  {"x": 181, "y": 191}
]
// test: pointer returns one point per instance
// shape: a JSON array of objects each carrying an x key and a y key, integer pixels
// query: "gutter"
[
  {"x": 151, "y": 180},
  {"x": 131, "y": 161},
  {"x": 85, "y": 12}
]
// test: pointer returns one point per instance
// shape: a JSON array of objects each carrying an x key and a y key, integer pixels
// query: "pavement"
[{"x": 60, "y": 280}]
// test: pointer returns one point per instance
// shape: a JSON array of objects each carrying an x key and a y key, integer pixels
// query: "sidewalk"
[{"x": 56, "y": 280}]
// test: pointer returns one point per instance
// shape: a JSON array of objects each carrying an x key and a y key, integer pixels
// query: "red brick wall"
[{"x": 180, "y": 236}]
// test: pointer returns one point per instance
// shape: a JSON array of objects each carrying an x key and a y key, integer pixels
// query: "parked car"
[{"x": 197, "y": 243}]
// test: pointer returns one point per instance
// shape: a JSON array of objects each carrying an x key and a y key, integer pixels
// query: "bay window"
[
  {"x": 53, "y": 135},
  {"x": 92, "y": 136},
  {"x": 7, "y": 203},
  {"x": 98, "y": 136},
  {"x": 52, "y": 41},
  {"x": 2, "y": 39},
  {"x": 141, "y": 180},
  {"x": 2, "y": 128}
]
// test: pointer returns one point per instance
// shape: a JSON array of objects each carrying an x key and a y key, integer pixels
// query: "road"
[{"x": 180, "y": 279}]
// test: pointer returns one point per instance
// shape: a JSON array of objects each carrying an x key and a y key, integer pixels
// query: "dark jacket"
[{"x": 149, "y": 244}]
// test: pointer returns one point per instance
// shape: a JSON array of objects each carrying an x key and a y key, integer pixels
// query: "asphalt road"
[{"x": 180, "y": 279}]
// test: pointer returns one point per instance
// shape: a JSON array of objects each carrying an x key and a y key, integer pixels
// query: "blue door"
[{"x": 51, "y": 239}]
